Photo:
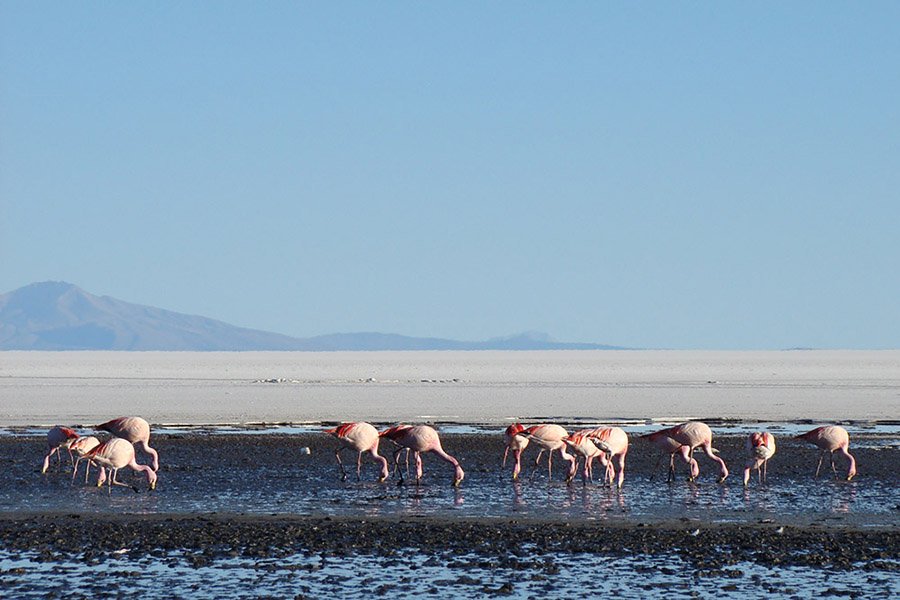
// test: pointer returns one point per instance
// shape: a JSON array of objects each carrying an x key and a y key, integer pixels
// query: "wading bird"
[
  {"x": 550, "y": 437},
  {"x": 134, "y": 429},
  {"x": 829, "y": 439},
  {"x": 115, "y": 454},
  {"x": 760, "y": 448},
  {"x": 582, "y": 445},
  {"x": 58, "y": 437},
  {"x": 419, "y": 439},
  {"x": 613, "y": 441},
  {"x": 668, "y": 446},
  {"x": 691, "y": 435},
  {"x": 82, "y": 446},
  {"x": 361, "y": 437},
  {"x": 517, "y": 444}
]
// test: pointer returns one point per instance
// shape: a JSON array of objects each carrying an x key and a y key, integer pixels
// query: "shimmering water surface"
[{"x": 411, "y": 574}]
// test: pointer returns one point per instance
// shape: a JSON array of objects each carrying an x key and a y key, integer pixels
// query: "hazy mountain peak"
[{"x": 56, "y": 315}]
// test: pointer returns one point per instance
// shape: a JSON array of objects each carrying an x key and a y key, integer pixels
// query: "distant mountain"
[{"x": 62, "y": 316}]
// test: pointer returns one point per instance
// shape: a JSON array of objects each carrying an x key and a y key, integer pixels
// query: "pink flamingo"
[
  {"x": 829, "y": 439},
  {"x": 419, "y": 439},
  {"x": 582, "y": 445},
  {"x": 134, "y": 429},
  {"x": 362, "y": 437},
  {"x": 517, "y": 444},
  {"x": 691, "y": 435},
  {"x": 668, "y": 446},
  {"x": 550, "y": 437},
  {"x": 58, "y": 437},
  {"x": 81, "y": 447},
  {"x": 760, "y": 448},
  {"x": 613, "y": 441},
  {"x": 115, "y": 454}
]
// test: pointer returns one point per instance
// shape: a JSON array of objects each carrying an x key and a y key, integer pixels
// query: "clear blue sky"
[{"x": 659, "y": 174}]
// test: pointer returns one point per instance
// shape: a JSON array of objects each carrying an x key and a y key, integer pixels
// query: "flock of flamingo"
[{"x": 607, "y": 445}]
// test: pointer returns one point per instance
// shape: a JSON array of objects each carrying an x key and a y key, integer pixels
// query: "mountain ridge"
[{"x": 56, "y": 316}]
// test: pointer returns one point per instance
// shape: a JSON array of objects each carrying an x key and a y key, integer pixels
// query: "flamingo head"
[{"x": 459, "y": 476}]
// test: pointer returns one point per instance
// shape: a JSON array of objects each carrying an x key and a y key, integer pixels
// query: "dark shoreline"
[{"x": 205, "y": 538}]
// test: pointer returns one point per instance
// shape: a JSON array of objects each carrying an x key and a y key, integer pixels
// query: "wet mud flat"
[
  {"x": 436, "y": 557},
  {"x": 249, "y": 515}
]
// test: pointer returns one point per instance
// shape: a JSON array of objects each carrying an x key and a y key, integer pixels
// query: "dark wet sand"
[{"x": 209, "y": 537}]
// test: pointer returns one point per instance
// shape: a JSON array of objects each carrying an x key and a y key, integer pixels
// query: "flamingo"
[
  {"x": 58, "y": 437},
  {"x": 81, "y": 447},
  {"x": 362, "y": 437},
  {"x": 581, "y": 444},
  {"x": 829, "y": 439},
  {"x": 691, "y": 435},
  {"x": 550, "y": 437},
  {"x": 760, "y": 448},
  {"x": 668, "y": 446},
  {"x": 420, "y": 438},
  {"x": 613, "y": 441},
  {"x": 134, "y": 429},
  {"x": 115, "y": 454},
  {"x": 517, "y": 444}
]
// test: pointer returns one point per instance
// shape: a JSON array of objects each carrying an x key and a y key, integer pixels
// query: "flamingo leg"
[
  {"x": 114, "y": 481},
  {"x": 833, "y": 468},
  {"x": 505, "y": 453},
  {"x": 358, "y": 466},
  {"x": 537, "y": 461},
  {"x": 340, "y": 463},
  {"x": 397, "y": 469},
  {"x": 655, "y": 467},
  {"x": 821, "y": 458},
  {"x": 671, "y": 477}
]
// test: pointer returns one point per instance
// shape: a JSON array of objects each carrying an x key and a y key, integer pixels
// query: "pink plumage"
[
  {"x": 419, "y": 439},
  {"x": 363, "y": 438}
]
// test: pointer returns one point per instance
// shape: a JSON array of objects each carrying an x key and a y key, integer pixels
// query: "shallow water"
[
  {"x": 268, "y": 474},
  {"x": 528, "y": 575}
]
